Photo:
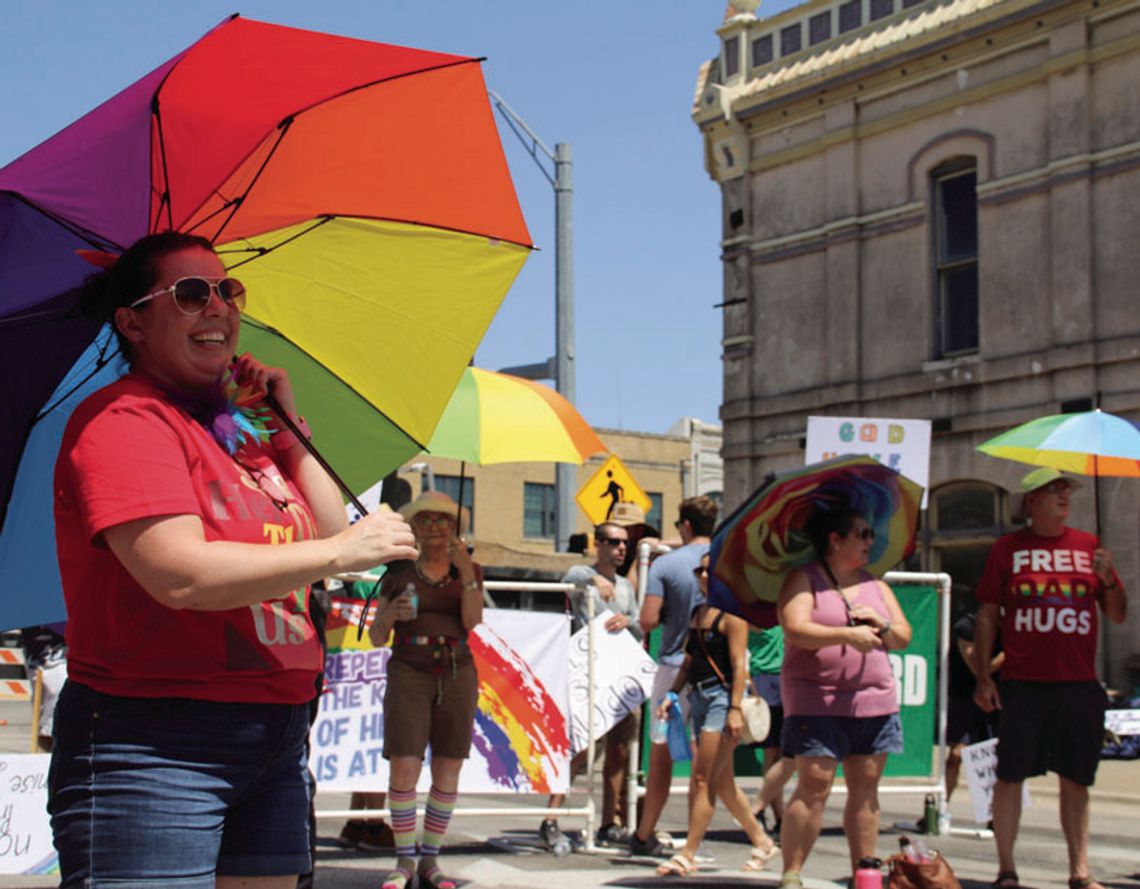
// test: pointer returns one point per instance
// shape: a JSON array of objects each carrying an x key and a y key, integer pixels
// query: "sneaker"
[
  {"x": 552, "y": 836},
  {"x": 652, "y": 847},
  {"x": 612, "y": 835},
  {"x": 378, "y": 837},
  {"x": 351, "y": 834}
]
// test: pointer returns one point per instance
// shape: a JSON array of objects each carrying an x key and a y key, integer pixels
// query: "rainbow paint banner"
[{"x": 521, "y": 734}]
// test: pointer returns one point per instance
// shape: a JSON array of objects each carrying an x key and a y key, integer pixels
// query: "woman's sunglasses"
[
  {"x": 867, "y": 533},
  {"x": 192, "y": 295}
]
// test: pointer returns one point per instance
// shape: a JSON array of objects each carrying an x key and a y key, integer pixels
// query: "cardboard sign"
[
  {"x": 610, "y": 485},
  {"x": 903, "y": 445},
  {"x": 25, "y": 832},
  {"x": 979, "y": 761}
]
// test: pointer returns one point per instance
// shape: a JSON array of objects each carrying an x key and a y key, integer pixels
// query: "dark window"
[
  {"x": 790, "y": 39},
  {"x": 881, "y": 8},
  {"x": 731, "y": 57},
  {"x": 653, "y": 517},
  {"x": 907, "y": 4},
  {"x": 538, "y": 510},
  {"x": 850, "y": 16},
  {"x": 819, "y": 28},
  {"x": 762, "y": 50},
  {"x": 449, "y": 484},
  {"x": 956, "y": 252}
]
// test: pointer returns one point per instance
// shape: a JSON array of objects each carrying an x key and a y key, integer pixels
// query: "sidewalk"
[{"x": 499, "y": 851}]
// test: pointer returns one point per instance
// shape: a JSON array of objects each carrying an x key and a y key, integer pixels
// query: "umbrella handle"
[{"x": 275, "y": 405}]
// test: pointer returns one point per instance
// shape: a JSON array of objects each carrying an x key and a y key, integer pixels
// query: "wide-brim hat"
[
  {"x": 630, "y": 515},
  {"x": 437, "y": 501},
  {"x": 1037, "y": 479}
]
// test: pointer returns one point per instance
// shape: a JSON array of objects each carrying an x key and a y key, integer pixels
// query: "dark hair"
[
  {"x": 600, "y": 530},
  {"x": 132, "y": 276},
  {"x": 825, "y": 522},
  {"x": 700, "y": 512}
]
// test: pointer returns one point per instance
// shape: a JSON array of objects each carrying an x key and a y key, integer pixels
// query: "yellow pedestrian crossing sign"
[{"x": 610, "y": 485}]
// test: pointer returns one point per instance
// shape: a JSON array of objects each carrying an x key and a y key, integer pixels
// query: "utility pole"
[{"x": 560, "y": 367}]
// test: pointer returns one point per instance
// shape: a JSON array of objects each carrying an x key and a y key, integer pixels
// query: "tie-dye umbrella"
[
  {"x": 358, "y": 189},
  {"x": 765, "y": 538},
  {"x": 1089, "y": 443}
]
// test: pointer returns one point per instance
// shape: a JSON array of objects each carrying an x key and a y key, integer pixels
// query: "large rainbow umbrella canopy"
[
  {"x": 358, "y": 189},
  {"x": 766, "y": 537},
  {"x": 1089, "y": 443}
]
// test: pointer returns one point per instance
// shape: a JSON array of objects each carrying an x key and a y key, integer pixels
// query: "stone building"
[{"x": 929, "y": 211}]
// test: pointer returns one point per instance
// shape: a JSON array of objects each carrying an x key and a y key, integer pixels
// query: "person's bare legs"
[
  {"x": 803, "y": 814},
  {"x": 712, "y": 756},
  {"x": 577, "y": 764},
  {"x": 615, "y": 774},
  {"x": 861, "y": 812},
  {"x": 953, "y": 769},
  {"x": 1007, "y": 817},
  {"x": 1075, "y": 825},
  {"x": 736, "y": 801},
  {"x": 778, "y": 770},
  {"x": 657, "y": 784}
]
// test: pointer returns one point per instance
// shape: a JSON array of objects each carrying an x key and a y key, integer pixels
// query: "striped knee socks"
[
  {"x": 440, "y": 805},
  {"x": 402, "y": 805}
]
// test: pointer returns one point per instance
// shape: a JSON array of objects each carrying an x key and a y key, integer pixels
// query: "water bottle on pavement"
[{"x": 869, "y": 874}]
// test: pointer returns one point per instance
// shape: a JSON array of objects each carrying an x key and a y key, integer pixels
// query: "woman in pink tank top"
[{"x": 840, "y": 697}]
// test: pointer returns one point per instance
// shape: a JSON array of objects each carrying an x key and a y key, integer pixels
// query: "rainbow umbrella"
[
  {"x": 765, "y": 538},
  {"x": 358, "y": 189},
  {"x": 1091, "y": 443},
  {"x": 499, "y": 418}
]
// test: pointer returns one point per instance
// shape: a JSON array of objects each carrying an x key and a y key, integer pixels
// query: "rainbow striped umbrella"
[
  {"x": 765, "y": 538},
  {"x": 1089, "y": 443},
  {"x": 358, "y": 189},
  {"x": 499, "y": 418}
]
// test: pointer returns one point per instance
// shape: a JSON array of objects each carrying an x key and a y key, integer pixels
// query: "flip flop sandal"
[
  {"x": 398, "y": 879},
  {"x": 433, "y": 877},
  {"x": 680, "y": 865},
  {"x": 761, "y": 857},
  {"x": 1084, "y": 883},
  {"x": 1007, "y": 879}
]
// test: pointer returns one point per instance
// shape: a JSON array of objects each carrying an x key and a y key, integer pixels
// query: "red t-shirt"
[
  {"x": 1048, "y": 593},
  {"x": 127, "y": 454}
]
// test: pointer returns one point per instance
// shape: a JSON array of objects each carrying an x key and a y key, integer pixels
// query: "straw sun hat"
[{"x": 436, "y": 501}]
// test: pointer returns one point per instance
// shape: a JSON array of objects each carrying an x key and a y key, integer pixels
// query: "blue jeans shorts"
[
  {"x": 171, "y": 791},
  {"x": 708, "y": 707},
  {"x": 838, "y": 737}
]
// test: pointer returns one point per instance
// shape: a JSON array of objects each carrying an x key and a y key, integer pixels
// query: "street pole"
[{"x": 560, "y": 368}]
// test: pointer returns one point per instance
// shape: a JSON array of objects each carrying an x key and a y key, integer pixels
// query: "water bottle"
[
  {"x": 944, "y": 821},
  {"x": 869, "y": 874},
  {"x": 562, "y": 846},
  {"x": 413, "y": 600},
  {"x": 930, "y": 815},
  {"x": 659, "y": 733},
  {"x": 907, "y": 850}
]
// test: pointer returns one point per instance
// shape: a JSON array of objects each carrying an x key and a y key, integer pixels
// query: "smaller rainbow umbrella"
[
  {"x": 499, "y": 418},
  {"x": 765, "y": 538},
  {"x": 1091, "y": 443}
]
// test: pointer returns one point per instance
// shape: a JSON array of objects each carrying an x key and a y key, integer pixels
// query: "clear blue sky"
[{"x": 615, "y": 80}]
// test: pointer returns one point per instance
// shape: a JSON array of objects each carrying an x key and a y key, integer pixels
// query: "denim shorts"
[
  {"x": 708, "y": 708},
  {"x": 838, "y": 737},
  {"x": 171, "y": 791}
]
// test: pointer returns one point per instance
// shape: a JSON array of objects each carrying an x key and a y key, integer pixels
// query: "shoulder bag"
[{"x": 753, "y": 708}]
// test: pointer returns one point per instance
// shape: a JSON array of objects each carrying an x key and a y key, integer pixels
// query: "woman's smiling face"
[{"x": 187, "y": 353}]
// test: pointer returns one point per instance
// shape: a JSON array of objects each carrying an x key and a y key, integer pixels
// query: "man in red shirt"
[{"x": 1044, "y": 584}]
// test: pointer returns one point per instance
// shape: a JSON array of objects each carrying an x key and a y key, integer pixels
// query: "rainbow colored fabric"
[
  {"x": 1089, "y": 443},
  {"x": 754, "y": 548}
]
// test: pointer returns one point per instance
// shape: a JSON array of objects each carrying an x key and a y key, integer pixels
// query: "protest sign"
[
  {"x": 903, "y": 445},
  {"x": 979, "y": 761},
  {"x": 1122, "y": 722},
  {"x": 520, "y": 739},
  {"x": 623, "y": 679},
  {"x": 25, "y": 833}
]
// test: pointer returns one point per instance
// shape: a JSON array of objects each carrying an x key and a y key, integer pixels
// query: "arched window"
[{"x": 964, "y": 519}]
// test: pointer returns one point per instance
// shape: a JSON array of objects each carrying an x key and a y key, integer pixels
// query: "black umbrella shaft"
[{"x": 311, "y": 448}]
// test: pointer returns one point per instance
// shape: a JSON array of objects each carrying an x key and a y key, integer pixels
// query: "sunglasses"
[
  {"x": 612, "y": 541},
  {"x": 433, "y": 521},
  {"x": 1058, "y": 487},
  {"x": 701, "y": 570},
  {"x": 867, "y": 533},
  {"x": 192, "y": 295}
]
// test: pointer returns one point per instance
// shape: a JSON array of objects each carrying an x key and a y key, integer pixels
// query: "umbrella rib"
[
  {"x": 348, "y": 386},
  {"x": 164, "y": 201},
  {"x": 95, "y": 240},
  {"x": 236, "y": 202},
  {"x": 263, "y": 251}
]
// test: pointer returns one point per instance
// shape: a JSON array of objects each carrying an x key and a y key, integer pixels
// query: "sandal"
[
  {"x": 761, "y": 857},
  {"x": 791, "y": 880},
  {"x": 680, "y": 865},
  {"x": 433, "y": 877},
  {"x": 1084, "y": 883},
  {"x": 400, "y": 878},
  {"x": 1007, "y": 879}
]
